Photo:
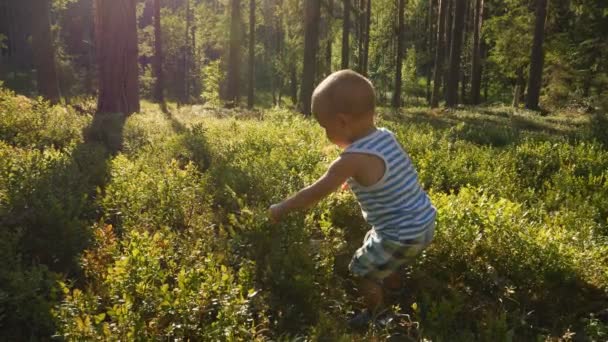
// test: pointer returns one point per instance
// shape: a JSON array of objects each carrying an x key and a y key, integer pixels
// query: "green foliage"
[
  {"x": 212, "y": 79},
  {"x": 34, "y": 123},
  {"x": 178, "y": 245}
]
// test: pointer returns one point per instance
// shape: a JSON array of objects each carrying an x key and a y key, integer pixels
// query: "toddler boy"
[{"x": 383, "y": 179}]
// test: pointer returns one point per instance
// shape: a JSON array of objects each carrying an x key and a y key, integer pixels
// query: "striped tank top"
[{"x": 396, "y": 206}]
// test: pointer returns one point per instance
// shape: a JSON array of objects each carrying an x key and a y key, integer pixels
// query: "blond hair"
[{"x": 346, "y": 92}]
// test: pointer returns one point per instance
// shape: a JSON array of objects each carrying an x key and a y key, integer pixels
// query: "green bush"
[{"x": 34, "y": 123}]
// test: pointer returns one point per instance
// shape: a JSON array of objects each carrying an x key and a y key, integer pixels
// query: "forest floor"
[{"x": 169, "y": 237}]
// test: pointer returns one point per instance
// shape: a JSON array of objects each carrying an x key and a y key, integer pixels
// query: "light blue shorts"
[{"x": 379, "y": 257}]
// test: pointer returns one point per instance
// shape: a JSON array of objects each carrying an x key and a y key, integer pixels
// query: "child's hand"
[{"x": 275, "y": 212}]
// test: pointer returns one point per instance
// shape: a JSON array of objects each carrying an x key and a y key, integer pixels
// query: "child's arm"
[{"x": 339, "y": 171}]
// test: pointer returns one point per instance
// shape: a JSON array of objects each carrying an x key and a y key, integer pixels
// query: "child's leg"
[
  {"x": 392, "y": 282},
  {"x": 373, "y": 294}
]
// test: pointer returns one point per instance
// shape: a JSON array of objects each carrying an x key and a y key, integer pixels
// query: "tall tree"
[
  {"x": 449, "y": 25},
  {"x": 429, "y": 48},
  {"x": 234, "y": 58},
  {"x": 345, "y": 33},
  {"x": 250, "y": 90},
  {"x": 399, "y": 63},
  {"x": 44, "y": 54},
  {"x": 536, "y": 56},
  {"x": 116, "y": 32},
  {"x": 158, "y": 55},
  {"x": 476, "y": 55},
  {"x": 368, "y": 21},
  {"x": 466, "y": 29},
  {"x": 186, "y": 57},
  {"x": 361, "y": 34},
  {"x": 311, "y": 43},
  {"x": 451, "y": 97},
  {"x": 439, "y": 53},
  {"x": 329, "y": 42}
]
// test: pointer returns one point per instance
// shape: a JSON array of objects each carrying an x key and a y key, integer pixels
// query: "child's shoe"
[
  {"x": 382, "y": 318},
  {"x": 361, "y": 320}
]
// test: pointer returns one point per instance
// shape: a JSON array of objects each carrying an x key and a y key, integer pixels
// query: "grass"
[{"x": 179, "y": 245}]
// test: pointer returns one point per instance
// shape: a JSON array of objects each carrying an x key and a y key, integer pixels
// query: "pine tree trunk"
[
  {"x": 294, "y": 85},
  {"x": 368, "y": 22},
  {"x": 44, "y": 54},
  {"x": 311, "y": 43},
  {"x": 186, "y": 52},
  {"x": 328, "y": 47},
  {"x": 234, "y": 58},
  {"x": 439, "y": 53},
  {"x": 449, "y": 27},
  {"x": 517, "y": 91},
  {"x": 250, "y": 93},
  {"x": 451, "y": 98},
  {"x": 400, "y": 32},
  {"x": 429, "y": 40},
  {"x": 158, "y": 56},
  {"x": 463, "y": 61},
  {"x": 345, "y": 33},
  {"x": 536, "y": 56},
  {"x": 116, "y": 34},
  {"x": 361, "y": 34},
  {"x": 476, "y": 55}
]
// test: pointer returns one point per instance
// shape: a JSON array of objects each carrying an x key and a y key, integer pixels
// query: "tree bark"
[
  {"x": 185, "y": 56},
  {"x": 311, "y": 43},
  {"x": 476, "y": 55},
  {"x": 361, "y": 34},
  {"x": 439, "y": 53},
  {"x": 449, "y": 26},
  {"x": 451, "y": 98},
  {"x": 368, "y": 22},
  {"x": 294, "y": 85},
  {"x": 328, "y": 47},
  {"x": 429, "y": 48},
  {"x": 536, "y": 56},
  {"x": 345, "y": 33},
  {"x": 400, "y": 32},
  {"x": 158, "y": 56},
  {"x": 234, "y": 58},
  {"x": 517, "y": 91},
  {"x": 44, "y": 54},
  {"x": 250, "y": 93},
  {"x": 116, "y": 32},
  {"x": 466, "y": 28}
]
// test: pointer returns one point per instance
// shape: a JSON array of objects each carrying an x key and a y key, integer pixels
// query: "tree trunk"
[
  {"x": 368, "y": 21},
  {"x": 158, "y": 55},
  {"x": 311, "y": 43},
  {"x": 185, "y": 56},
  {"x": 429, "y": 40},
  {"x": 250, "y": 93},
  {"x": 451, "y": 98},
  {"x": 294, "y": 85},
  {"x": 44, "y": 55},
  {"x": 361, "y": 30},
  {"x": 234, "y": 58},
  {"x": 476, "y": 55},
  {"x": 345, "y": 33},
  {"x": 536, "y": 56},
  {"x": 449, "y": 26},
  {"x": 116, "y": 32},
  {"x": 328, "y": 47},
  {"x": 518, "y": 88},
  {"x": 463, "y": 60},
  {"x": 400, "y": 32},
  {"x": 439, "y": 53}
]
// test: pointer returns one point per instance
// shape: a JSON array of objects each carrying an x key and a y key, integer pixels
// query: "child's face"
[{"x": 336, "y": 128}]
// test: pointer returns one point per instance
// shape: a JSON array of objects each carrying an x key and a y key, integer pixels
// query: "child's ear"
[{"x": 342, "y": 119}]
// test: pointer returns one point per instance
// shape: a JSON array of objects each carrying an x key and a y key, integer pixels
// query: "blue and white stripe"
[{"x": 396, "y": 206}]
